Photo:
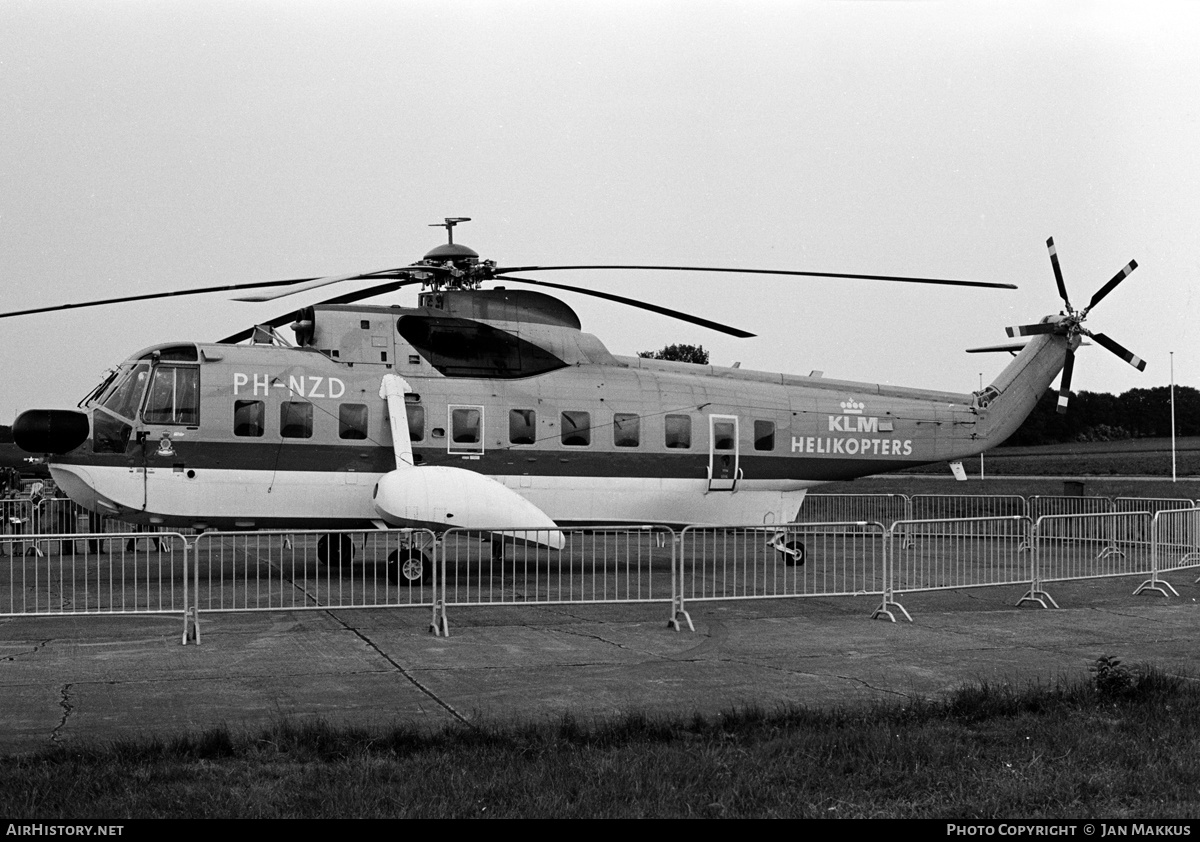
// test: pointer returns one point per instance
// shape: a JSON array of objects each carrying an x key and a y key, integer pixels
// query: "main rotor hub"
[{"x": 454, "y": 252}]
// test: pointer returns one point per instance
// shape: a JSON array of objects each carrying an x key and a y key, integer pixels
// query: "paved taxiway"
[{"x": 71, "y": 679}]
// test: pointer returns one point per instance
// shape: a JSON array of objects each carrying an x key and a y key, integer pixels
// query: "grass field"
[
  {"x": 1132, "y": 468},
  {"x": 1118, "y": 743},
  {"x": 1023, "y": 487},
  {"x": 1130, "y": 457}
]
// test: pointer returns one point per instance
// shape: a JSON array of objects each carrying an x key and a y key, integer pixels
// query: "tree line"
[{"x": 1099, "y": 416}]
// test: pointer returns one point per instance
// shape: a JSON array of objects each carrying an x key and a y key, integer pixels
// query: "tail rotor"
[{"x": 1070, "y": 325}]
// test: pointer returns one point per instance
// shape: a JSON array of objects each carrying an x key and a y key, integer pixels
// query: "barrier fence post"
[
  {"x": 1035, "y": 592},
  {"x": 889, "y": 601},
  {"x": 439, "y": 624},
  {"x": 678, "y": 609},
  {"x": 1154, "y": 583}
]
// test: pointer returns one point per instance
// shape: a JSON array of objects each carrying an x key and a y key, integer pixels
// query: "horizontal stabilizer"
[
  {"x": 994, "y": 349},
  {"x": 1011, "y": 347}
]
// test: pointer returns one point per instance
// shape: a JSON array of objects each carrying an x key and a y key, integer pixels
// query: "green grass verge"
[
  {"x": 1117, "y": 744},
  {"x": 1126, "y": 458},
  {"x": 1024, "y": 487}
]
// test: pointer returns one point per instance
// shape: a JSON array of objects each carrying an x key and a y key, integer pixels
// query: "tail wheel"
[
  {"x": 409, "y": 567},
  {"x": 335, "y": 549},
  {"x": 793, "y": 553}
]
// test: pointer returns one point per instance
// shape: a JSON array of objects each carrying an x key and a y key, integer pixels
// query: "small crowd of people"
[{"x": 34, "y": 510}]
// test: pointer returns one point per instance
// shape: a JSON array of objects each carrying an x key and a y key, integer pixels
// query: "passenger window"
[
  {"x": 576, "y": 428},
  {"x": 249, "y": 418},
  {"x": 522, "y": 426},
  {"x": 416, "y": 421},
  {"x": 679, "y": 431},
  {"x": 764, "y": 435},
  {"x": 724, "y": 433},
  {"x": 466, "y": 429},
  {"x": 296, "y": 420},
  {"x": 626, "y": 430},
  {"x": 352, "y": 421}
]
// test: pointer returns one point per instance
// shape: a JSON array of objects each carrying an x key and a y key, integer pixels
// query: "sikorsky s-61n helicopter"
[{"x": 491, "y": 408}]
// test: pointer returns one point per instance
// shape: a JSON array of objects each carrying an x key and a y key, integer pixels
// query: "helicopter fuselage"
[{"x": 504, "y": 384}]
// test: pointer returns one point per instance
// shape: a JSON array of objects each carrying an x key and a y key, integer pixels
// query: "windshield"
[
  {"x": 125, "y": 395},
  {"x": 109, "y": 376}
]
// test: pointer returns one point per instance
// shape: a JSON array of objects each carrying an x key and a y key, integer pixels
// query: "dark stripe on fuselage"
[{"x": 531, "y": 461}]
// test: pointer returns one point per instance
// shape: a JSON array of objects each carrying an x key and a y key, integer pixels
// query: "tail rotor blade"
[
  {"x": 1122, "y": 352},
  {"x": 1064, "y": 387},
  {"x": 1058, "y": 278},
  {"x": 1112, "y": 284},
  {"x": 1030, "y": 330}
]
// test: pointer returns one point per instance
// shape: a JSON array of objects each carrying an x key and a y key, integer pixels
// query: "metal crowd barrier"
[
  {"x": 313, "y": 570},
  {"x": 1153, "y": 505},
  {"x": 525, "y": 567},
  {"x": 1087, "y": 546},
  {"x": 955, "y": 506},
  {"x": 53, "y": 569},
  {"x": 961, "y": 553},
  {"x": 1056, "y": 507},
  {"x": 936, "y": 514},
  {"x": 1175, "y": 545},
  {"x": 61, "y": 516},
  {"x": 850, "y": 510},
  {"x": 780, "y": 561},
  {"x": 61, "y": 574}
]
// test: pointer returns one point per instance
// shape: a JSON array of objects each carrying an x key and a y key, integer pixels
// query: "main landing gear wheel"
[
  {"x": 411, "y": 567},
  {"x": 336, "y": 551}
]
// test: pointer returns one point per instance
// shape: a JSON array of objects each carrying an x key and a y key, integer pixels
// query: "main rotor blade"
[
  {"x": 148, "y": 296},
  {"x": 1030, "y": 330},
  {"x": 896, "y": 278},
  {"x": 641, "y": 305},
  {"x": 1112, "y": 284},
  {"x": 316, "y": 283},
  {"x": 369, "y": 292},
  {"x": 1122, "y": 352},
  {"x": 1058, "y": 278},
  {"x": 1064, "y": 387}
]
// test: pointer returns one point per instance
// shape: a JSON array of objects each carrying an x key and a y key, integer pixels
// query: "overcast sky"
[{"x": 151, "y": 146}]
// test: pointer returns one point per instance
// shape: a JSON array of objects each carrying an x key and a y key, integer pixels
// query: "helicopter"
[{"x": 491, "y": 408}]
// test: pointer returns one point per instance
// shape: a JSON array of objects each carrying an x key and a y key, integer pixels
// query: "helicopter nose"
[{"x": 50, "y": 430}]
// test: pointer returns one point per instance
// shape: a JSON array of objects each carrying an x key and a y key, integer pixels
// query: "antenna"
[{"x": 449, "y": 224}]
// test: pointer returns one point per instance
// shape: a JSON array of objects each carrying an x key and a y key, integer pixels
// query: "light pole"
[{"x": 1172, "y": 416}]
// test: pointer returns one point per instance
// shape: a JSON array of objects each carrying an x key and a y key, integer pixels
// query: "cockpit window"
[
  {"x": 175, "y": 354},
  {"x": 125, "y": 395},
  {"x": 174, "y": 396}
]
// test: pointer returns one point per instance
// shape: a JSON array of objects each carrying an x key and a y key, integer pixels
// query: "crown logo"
[{"x": 851, "y": 407}]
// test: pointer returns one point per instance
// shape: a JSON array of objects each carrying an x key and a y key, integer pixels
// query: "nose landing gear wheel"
[{"x": 410, "y": 567}]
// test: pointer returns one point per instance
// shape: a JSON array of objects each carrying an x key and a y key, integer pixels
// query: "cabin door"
[{"x": 723, "y": 451}]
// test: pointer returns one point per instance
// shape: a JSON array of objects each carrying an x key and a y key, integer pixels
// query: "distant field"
[
  {"x": 1024, "y": 487},
  {"x": 1103, "y": 467},
  {"x": 1132, "y": 457}
]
